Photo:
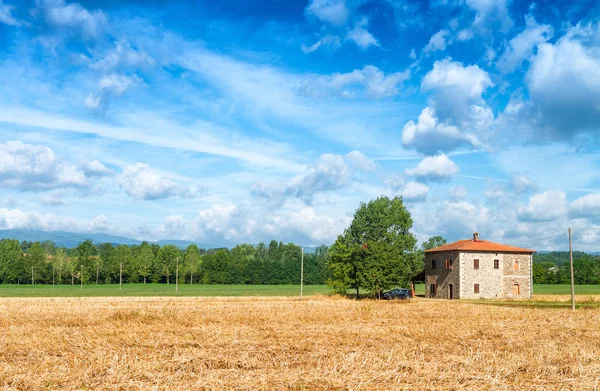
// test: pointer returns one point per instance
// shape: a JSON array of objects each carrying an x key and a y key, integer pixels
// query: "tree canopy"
[{"x": 377, "y": 251}]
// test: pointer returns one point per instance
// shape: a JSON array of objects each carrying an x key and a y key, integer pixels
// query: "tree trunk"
[
  {"x": 144, "y": 279},
  {"x": 357, "y": 294},
  {"x": 97, "y": 273}
]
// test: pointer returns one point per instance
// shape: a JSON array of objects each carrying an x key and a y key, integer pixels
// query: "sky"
[{"x": 238, "y": 122}]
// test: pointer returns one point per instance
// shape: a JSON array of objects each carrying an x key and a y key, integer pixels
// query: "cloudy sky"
[{"x": 225, "y": 121}]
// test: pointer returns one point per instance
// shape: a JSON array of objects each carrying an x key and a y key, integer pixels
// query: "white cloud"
[
  {"x": 6, "y": 15},
  {"x": 457, "y": 193},
  {"x": 94, "y": 168},
  {"x": 375, "y": 83},
  {"x": 140, "y": 181},
  {"x": 331, "y": 42},
  {"x": 36, "y": 167},
  {"x": 564, "y": 86},
  {"x": 18, "y": 219},
  {"x": 92, "y": 102},
  {"x": 75, "y": 17},
  {"x": 464, "y": 35},
  {"x": 414, "y": 192},
  {"x": 490, "y": 12},
  {"x": 546, "y": 206},
  {"x": 123, "y": 56},
  {"x": 521, "y": 47},
  {"x": 361, "y": 36},
  {"x": 437, "y": 42},
  {"x": 434, "y": 168},
  {"x": 470, "y": 81},
  {"x": 333, "y": 12},
  {"x": 332, "y": 172},
  {"x": 522, "y": 184},
  {"x": 587, "y": 206},
  {"x": 117, "y": 84},
  {"x": 429, "y": 136}
]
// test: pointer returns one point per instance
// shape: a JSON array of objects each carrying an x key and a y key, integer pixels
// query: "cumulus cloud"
[
  {"x": 546, "y": 206},
  {"x": 333, "y": 12},
  {"x": 141, "y": 181},
  {"x": 464, "y": 35},
  {"x": 370, "y": 79},
  {"x": 564, "y": 85},
  {"x": 232, "y": 224},
  {"x": 437, "y": 168},
  {"x": 414, "y": 192},
  {"x": 522, "y": 184},
  {"x": 587, "y": 206},
  {"x": 468, "y": 81},
  {"x": 18, "y": 219},
  {"x": 361, "y": 36},
  {"x": 429, "y": 136},
  {"x": 36, "y": 167},
  {"x": 332, "y": 172},
  {"x": 437, "y": 42},
  {"x": 6, "y": 15},
  {"x": 490, "y": 14},
  {"x": 94, "y": 168},
  {"x": 117, "y": 84},
  {"x": 74, "y": 17},
  {"x": 521, "y": 47}
]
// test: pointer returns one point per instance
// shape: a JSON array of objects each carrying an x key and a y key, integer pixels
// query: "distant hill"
[{"x": 72, "y": 239}]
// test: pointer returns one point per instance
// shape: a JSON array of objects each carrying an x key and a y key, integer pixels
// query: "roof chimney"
[{"x": 475, "y": 236}]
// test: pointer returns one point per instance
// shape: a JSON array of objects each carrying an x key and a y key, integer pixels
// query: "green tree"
[
  {"x": 145, "y": 260},
  {"x": 60, "y": 259},
  {"x": 35, "y": 263},
  {"x": 11, "y": 261},
  {"x": 433, "y": 242},
  {"x": 85, "y": 253},
  {"x": 191, "y": 262},
  {"x": 377, "y": 250},
  {"x": 166, "y": 260}
]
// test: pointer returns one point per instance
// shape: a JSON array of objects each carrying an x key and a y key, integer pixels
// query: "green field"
[
  {"x": 157, "y": 290},
  {"x": 222, "y": 290}
]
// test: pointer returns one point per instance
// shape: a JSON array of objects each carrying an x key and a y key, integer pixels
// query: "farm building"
[{"x": 475, "y": 268}]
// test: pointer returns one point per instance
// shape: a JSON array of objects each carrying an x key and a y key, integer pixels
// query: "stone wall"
[
  {"x": 493, "y": 283},
  {"x": 441, "y": 276}
]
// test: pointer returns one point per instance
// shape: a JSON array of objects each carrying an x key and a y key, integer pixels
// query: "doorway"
[{"x": 450, "y": 291}]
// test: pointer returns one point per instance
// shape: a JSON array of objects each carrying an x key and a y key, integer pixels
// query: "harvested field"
[{"x": 283, "y": 344}]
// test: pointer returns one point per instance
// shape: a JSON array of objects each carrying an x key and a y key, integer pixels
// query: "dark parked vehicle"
[{"x": 398, "y": 294}]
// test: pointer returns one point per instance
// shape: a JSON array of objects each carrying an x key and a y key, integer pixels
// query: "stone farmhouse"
[{"x": 475, "y": 268}]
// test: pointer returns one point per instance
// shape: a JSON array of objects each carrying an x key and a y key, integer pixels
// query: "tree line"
[
  {"x": 554, "y": 268},
  {"x": 45, "y": 263}
]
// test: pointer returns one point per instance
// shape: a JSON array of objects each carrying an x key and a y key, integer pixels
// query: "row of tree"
[
  {"x": 44, "y": 263},
  {"x": 554, "y": 268}
]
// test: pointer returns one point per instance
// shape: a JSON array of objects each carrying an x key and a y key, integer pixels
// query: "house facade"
[{"x": 475, "y": 268}]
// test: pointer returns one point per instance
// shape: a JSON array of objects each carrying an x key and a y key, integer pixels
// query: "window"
[
  {"x": 476, "y": 264},
  {"x": 433, "y": 289},
  {"x": 434, "y": 263},
  {"x": 476, "y": 288},
  {"x": 496, "y": 264},
  {"x": 448, "y": 263},
  {"x": 516, "y": 265}
]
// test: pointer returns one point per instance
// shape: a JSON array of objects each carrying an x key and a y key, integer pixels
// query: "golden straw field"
[{"x": 271, "y": 343}]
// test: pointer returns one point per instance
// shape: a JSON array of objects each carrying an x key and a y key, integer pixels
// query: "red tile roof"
[{"x": 479, "y": 245}]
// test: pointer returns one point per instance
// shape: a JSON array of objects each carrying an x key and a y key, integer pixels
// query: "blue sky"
[{"x": 228, "y": 122}]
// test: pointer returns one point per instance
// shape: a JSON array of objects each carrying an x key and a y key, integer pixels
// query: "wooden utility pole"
[
  {"x": 81, "y": 277},
  {"x": 32, "y": 280},
  {"x": 121, "y": 276},
  {"x": 301, "y": 273},
  {"x": 53, "y": 275},
  {"x": 572, "y": 273},
  {"x": 177, "y": 276}
]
